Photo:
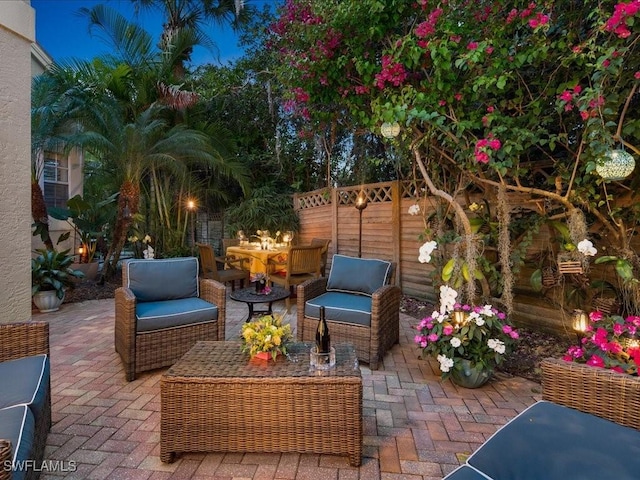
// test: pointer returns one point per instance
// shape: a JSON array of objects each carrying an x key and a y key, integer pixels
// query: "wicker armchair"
[
  {"x": 18, "y": 340},
  {"x": 157, "y": 321},
  {"x": 360, "y": 307}
]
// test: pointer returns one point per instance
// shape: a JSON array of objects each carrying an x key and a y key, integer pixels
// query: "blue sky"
[{"x": 65, "y": 35}]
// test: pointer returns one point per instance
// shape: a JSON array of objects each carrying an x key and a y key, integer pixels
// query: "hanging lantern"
[
  {"x": 616, "y": 165},
  {"x": 390, "y": 130}
]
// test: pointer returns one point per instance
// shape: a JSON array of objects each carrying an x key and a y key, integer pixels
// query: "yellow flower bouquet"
[{"x": 266, "y": 337}]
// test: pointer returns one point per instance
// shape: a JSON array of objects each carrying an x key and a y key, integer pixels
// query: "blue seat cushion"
[
  {"x": 465, "y": 472},
  {"x": 18, "y": 425},
  {"x": 550, "y": 441},
  {"x": 153, "y": 316},
  {"x": 25, "y": 381},
  {"x": 361, "y": 276},
  {"x": 341, "y": 307},
  {"x": 165, "y": 279}
]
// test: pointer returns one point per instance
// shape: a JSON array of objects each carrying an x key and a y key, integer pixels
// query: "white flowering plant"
[
  {"x": 455, "y": 332},
  {"x": 266, "y": 334}
]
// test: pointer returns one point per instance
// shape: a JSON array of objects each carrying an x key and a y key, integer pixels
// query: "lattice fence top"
[
  {"x": 413, "y": 189},
  {"x": 318, "y": 198},
  {"x": 373, "y": 193}
]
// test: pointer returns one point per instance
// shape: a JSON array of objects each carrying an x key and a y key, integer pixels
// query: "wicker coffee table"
[{"x": 215, "y": 399}]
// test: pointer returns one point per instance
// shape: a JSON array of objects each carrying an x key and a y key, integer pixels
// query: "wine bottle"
[{"x": 323, "y": 340}]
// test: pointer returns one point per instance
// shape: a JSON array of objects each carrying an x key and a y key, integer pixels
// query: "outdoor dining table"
[{"x": 258, "y": 258}]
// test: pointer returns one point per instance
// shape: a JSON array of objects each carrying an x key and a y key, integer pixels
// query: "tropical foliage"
[{"x": 500, "y": 97}]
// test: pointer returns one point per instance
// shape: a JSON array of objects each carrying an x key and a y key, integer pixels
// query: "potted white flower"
[{"x": 467, "y": 341}]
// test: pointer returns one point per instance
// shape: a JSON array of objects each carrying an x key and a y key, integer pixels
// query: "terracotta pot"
[{"x": 265, "y": 355}]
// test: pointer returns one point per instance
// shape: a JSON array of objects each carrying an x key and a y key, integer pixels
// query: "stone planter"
[{"x": 47, "y": 301}]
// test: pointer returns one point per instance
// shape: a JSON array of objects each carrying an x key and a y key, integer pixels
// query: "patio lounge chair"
[
  {"x": 360, "y": 306},
  {"x": 162, "y": 310}
]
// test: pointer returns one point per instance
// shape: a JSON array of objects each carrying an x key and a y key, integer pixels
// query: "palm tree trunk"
[
  {"x": 128, "y": 204},
  {"x": 39, "y": 213}
]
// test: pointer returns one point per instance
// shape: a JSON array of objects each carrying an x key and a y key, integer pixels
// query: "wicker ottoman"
[{"x": 215, "y": 399}]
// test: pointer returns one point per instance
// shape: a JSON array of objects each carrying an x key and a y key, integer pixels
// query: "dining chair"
[
  {"x": 233, "y": 267},
  {"x": 302, "y": 264},
  {"x": 325, "y": 251}
]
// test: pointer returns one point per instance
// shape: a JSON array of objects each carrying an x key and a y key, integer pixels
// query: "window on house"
[{"x": 56, "y": 180}]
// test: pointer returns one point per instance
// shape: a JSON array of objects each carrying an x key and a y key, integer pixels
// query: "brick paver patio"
[{"x": 415, "y": 426}]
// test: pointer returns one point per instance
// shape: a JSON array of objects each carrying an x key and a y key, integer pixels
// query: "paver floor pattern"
[{"x": 415, "y": 426}]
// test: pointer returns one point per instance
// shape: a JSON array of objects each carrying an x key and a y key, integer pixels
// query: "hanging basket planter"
[
  {"x": 570, "y": 267},
  {"x": 606, "y": 305},
  {"x": 551, "y": 277}
]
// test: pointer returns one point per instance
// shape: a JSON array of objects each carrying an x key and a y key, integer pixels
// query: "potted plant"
[
  {"x": 266, "y": 337},
  {"x": 467, "y": 341},
  {"x": 88, "y": 219},
  {"x": 51, "y": 275}
]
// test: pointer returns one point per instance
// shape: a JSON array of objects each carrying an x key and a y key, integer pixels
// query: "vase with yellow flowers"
[{"x": 266, "y": 337}]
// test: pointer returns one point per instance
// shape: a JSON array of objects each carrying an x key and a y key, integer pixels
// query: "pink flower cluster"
[
  {"x": 606, "y": 344},
  {"x": 588, "y": 109},
  {"x": 536, "y": 19},
  {"x": 618, "y": 21},
  {"x": 484, "y": 147},
  {"x": 392, "y": 72},
  {"x": 428, "y": 27}
]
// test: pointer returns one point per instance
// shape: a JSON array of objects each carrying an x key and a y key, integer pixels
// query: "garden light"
[{"x": 616, "y": 165}]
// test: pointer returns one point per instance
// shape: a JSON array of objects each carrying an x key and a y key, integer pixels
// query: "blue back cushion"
[
  {"x": 357, "y": 275},
  {"x": 166, "y": 279}
]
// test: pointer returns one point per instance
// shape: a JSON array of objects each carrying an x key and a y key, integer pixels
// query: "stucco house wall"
[{"x": 17, "y": 32}]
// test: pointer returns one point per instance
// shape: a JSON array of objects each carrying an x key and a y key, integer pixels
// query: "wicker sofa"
[
  {"x": 360, "y": 306},
  {"x": 162, "y": 310},
  {"x": 586, "y": 427},
  {"x": 25, "y": 398}
]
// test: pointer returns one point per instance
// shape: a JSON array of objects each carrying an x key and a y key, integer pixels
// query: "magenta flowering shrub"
[
  {"x": 484, "y": 337},
  {"x": 611, "y": 342}
]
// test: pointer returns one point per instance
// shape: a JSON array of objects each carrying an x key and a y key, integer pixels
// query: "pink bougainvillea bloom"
[
  {"x": 577, "y": 89},
  {"x": 458, "y": 96},
  {"x": 490, "y": 109},
  {"x": 566, "y": 96},
  {"x": 472, "y": 46},
  {"x": 606, "y": 63},
  {"x": 455, "y": 38},
  {"x": 618, "y": 329},
  {"x": 488, "y": 50},
  {"x": 512, "y": 15},
  {"x": 584, "y": 114},
  {"x": 442, "y": 103},
  {"x": 636, "y": 75},
  {"x": 482, "y": 157},
  {"x": 495, "y": 144}
]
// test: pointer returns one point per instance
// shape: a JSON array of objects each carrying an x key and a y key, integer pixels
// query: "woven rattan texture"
[
  {"x": 151, "y": 350},
  {"x": 23, "y": 340},
  {"x": 5, "y": 456},
  {"x": 607, "y": 394},
  {"x": 217, "y": 400},
  {"x": 371, "y": 342}
]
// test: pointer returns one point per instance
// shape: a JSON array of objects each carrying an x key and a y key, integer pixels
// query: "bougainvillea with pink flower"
[
  {"x": 609, "y": 341},
  {"x": 524, "y": 97}
]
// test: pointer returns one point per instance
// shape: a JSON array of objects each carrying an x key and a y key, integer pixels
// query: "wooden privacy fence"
[{"x": 389, "y": 232}]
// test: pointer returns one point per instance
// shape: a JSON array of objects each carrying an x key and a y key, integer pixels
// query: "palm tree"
[
  {"x": 125, "y": 116},
  {"x": 190, "y": 17}
]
